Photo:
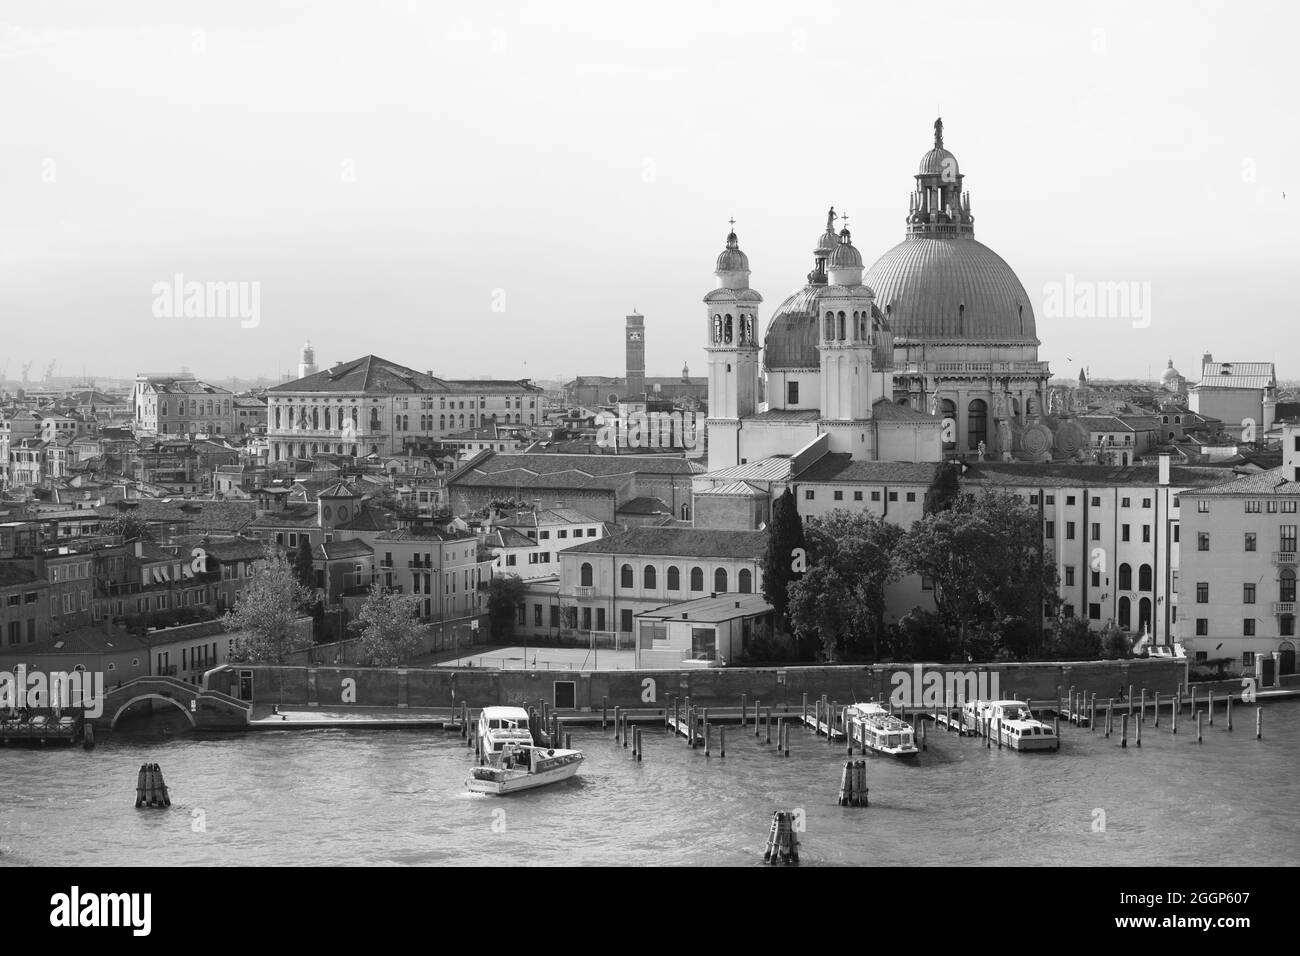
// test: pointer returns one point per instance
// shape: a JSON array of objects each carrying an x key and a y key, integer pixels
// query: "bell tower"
[
  {"x": 635, "y": 351},
  {"x": 731, "y": 330},
  {"x": 846, "y": 337}
]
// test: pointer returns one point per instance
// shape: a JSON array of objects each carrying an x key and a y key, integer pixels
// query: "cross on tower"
[
  {"x": 844, "y": 219},
  {"x": 732, "y": 222}
]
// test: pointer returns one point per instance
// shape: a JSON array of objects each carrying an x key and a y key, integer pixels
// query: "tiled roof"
[
  {"x": 547, "y": 517},
  {"x": 169, "y": 386},
  {"x": 291, "y": 516},
  {"x": 337, "y": 550},
  {"x": 196, "y": 514},
  {"x": 92, "y": 639},
  {"x": 367, "y": 519},
  {"x": 1271, "y": 482},
  {"x": 1028, "y": 475},
  {"x": 708, "y": 610},
  {"x": 644, "y": 505},
  {"x": 508, "y": 538},
  {"x": 678, "y": 542},
  {"x": 840, "y": 466},
  {"x": 1104, "y": 423},
  {"x": 221, "y": 548},
  {"x": 774, "y": 468},
  {"x": 15, "y": 572},
  {"x": 1237, "y": 375},
  {"x": 786, "y": 415},
  {"x": 366, "y": 374},
  {"x": 496, "y": 386},
  {"x": 742, "y": 488}
]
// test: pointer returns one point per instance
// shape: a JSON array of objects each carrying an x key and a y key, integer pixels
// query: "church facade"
[{"x": 930, "y": 353}]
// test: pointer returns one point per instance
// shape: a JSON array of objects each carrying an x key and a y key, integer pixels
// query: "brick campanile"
[{"x": 635, "y": 343}]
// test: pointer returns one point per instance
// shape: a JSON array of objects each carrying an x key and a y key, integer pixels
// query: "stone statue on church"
[
  {"x": 935, "y": 406},
  {"x": 1004, "y": 438},
  {"x": 981, "y": 449},
  {"x": 830, "y": 219}
]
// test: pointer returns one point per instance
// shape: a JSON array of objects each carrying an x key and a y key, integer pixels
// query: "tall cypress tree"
[
  {"x": 785, "y": 558},
  {"x": 303, "y": 564}
]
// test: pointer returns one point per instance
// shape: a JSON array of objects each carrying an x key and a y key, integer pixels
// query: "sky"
[{"x": 489, "y": 190}]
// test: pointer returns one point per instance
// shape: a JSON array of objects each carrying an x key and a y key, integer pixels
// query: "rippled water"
[{"x": 398, "y": 797}]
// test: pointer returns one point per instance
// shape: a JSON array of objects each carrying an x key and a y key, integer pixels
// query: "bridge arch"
[{"x": 139, "y": 697}]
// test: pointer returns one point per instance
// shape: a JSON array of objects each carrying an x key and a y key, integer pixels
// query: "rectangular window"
[
  {"x": 1286, "y": 537},
  {"x": 1202, "y": 506},
  {"x": 1049, "y": 529},
  {"x": 1250, "y": 541},
  {"x": 1094, "y": 612},
  {"x": 857, "y": 496},
  {"x": 1146, "y": 534},
  {"x": 1202, "y": 541},
  {"x": 1069, "y": 575},
  {"x": 1123, "y": 532},
  {"x": 555, "y": 615},
  {"x": 1069, "y": 531},
  {"x": 1177, "y": 534},
  {"x": 1248, "y": 594},
  {"x": 838, "y": 495},
  {"x": 1248, "y": 627},
  {"x": 1096, "y": 579},
  {"x": 1248, "y": 659},
  {"x": 600, "y": 618},
  {"x": 792, "y": 393},
  {"x": 1069, "y": 499},
  {"x": 1096, "y": 501},
  {"x": 1253, "y": 506},
  {"x": 1096, "y": 531},
  {"x": 927, "y": 583},
  {"x": 586, "y": 619},
  {"x": 1124, "y": 502},
  {"x": 893, "y": 496},
  {"x": 1288, "y": 507},
  {"x": 1202, "y": 592},
  {"x": 1051, "y": 499},
  {"x": 808, "y": 494},
  {"x": 545, "y": 535},
  {"x": 1146, "y": 502},
  {"x": 1068, "y": 610},
  {"x": 911, "y": 496},
  {"x": 1033, "y": 499},
  {"x": 1272, "y": 507},
  {"x": 537, "y": 615},
  {"x": 875, "y": 496},
  {"x": 1202, "y": 628},
  {"x": 625, "y": 620}
]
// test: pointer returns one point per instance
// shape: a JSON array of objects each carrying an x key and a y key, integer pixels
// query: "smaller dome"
[
  {"x": 938, "y": 162},
  {"x": 845, "y": 256},
  {"x": 732, "y": 259},
  {"x": 1170, "y": 373}
]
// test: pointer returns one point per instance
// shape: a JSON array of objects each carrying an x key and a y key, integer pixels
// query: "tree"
[
  {"x": 985, "y": 558},
  {"x": 785, "y": 558},
  {"x": 389, "y": 627},
  {"x": 1074, "y": 640},
  {"x": 505, "y": 594},
  {"x": 840, "y": 601},
  {"x": 265, "y": 613},
  {"x": 302, "y": 564},
  {"x": 1115, "y": 643},
  {"x": 129, "y": 526},
  {"x": 922, "y": 635}
]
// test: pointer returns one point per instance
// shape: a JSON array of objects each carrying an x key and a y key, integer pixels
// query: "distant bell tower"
[
  {"x": 731, "y": 336},
  {"x": 307, "y": 364},
  {"x": 635, "y": 390}
]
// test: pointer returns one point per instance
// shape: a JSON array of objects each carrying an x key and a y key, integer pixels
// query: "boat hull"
[{"x": 506, "y": 782}]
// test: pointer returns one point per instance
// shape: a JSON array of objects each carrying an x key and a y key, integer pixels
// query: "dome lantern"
[{"x": 733, "y": 265}]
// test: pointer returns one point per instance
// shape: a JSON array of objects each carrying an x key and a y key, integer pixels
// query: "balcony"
[
  {"x": 422, "y": 565},
  {"x": 584, "y": 593},
  {"x": 1284, "y": 558},
  {"x": 1284, "y": 607}
]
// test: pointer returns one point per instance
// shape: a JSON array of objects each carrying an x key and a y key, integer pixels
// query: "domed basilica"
[{"x": 929, "y": 353}]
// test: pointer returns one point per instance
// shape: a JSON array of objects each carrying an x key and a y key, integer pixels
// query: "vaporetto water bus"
[
  {"x": 875, "y": 728},
  {"x": 1010, "y": 723}
]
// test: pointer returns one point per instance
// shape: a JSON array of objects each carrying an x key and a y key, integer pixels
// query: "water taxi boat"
[
  {"x": 511, "y": 761},
  {"x": 875, "y": 728},
  {"x": 1010, "y": 723}
]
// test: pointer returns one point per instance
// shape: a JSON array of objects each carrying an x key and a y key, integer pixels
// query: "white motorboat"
[
  {"x": 511, "y": 761},
  {"x": 1011, "y": 723},
  {"x": 875, "y": 728}
]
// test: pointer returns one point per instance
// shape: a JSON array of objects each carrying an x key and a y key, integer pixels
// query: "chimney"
[
  {"x": 1164, "y": 471},
  {"x": 138, "y": 545}
]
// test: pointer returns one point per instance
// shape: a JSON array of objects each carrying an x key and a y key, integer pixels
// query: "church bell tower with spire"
[{"x": 733, "y": 349}]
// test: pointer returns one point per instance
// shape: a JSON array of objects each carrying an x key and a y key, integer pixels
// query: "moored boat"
[
  {"x": 875, "y": 728},
  {"x": 511, "y": 762},
  {"x": 1010, "y": 723}
]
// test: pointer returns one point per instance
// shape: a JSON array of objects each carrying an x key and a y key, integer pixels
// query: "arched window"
[
  {"x": 163, "y": 409},
  {"x": 315, "y": 419},
  {"x": 1286, "y": 585},
  {"x": 948, "y": 410},
  {"x": 649, "y": 578},
  {"x": 584, "y": 575},
  {"x": 977, "y": 417},
  {"x": 314, "y": 448},
  {"x": 726, "y": 330},
  {"x": 462, "y": 419},
  {"x": 625, "y": 577},
  {"x": 841, "y": 327},
  {"x": 1125, "y": 577},
  {"x": 720, "y": 580},
  {"x": 674, "y": 578},
  {"x": 830, "y": 326},
  {"x": 746, "y": 581},
  {"x": 1144, "y": 614},
  {"x": 327, "y": 419},
  {"x": 516, "y": 418},
  {"x": 697, "y": 579},
  {"x": 442, "y": 423},
  {"x": 1125, "y": 612},
  {"x": 1144, "y": 578}
]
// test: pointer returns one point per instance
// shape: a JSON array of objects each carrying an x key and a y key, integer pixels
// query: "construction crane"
[
  {"x": 49, "y": 370},
  {"x": 27, "y": 367}
]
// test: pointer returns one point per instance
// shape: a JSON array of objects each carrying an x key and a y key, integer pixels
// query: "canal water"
[{"x": 345, "y": 797}]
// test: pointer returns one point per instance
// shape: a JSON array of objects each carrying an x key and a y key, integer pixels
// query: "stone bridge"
[{"x": 205, "y": 709}]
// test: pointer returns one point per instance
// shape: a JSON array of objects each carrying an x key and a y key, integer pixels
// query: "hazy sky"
[{"x": 488, "y": 189}]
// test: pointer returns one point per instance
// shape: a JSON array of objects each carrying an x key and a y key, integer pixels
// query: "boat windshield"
[{"x": 1016, "y": 713}]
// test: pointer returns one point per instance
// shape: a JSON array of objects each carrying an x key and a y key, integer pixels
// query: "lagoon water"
[{"x": 346, "y": 797}]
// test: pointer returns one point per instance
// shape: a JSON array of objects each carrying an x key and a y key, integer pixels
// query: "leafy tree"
[
  {"x": 389, "y": 627},
  {"x": 1074, "y": 640},
  {"x": 265, "y": 612},
  {"x": 1115, "y": 643},
  {"x": 504, "y": 595},
  {"x": 985, "y": 557},
  {"x": 302, "y": 564},
  {"x": 784, "y": 560},
  {"x": 129, "y": 526},
  {"x": 922, "y": 635},
  {"x": 840, "y": 601}
]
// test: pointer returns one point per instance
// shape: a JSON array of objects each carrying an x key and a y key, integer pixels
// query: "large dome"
[
  {"x": 792, "y": 335},
  {"x": 951, "y": 291}
]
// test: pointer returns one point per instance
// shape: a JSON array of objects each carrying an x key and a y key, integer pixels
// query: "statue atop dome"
[{"x": 938, "y": 133}]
